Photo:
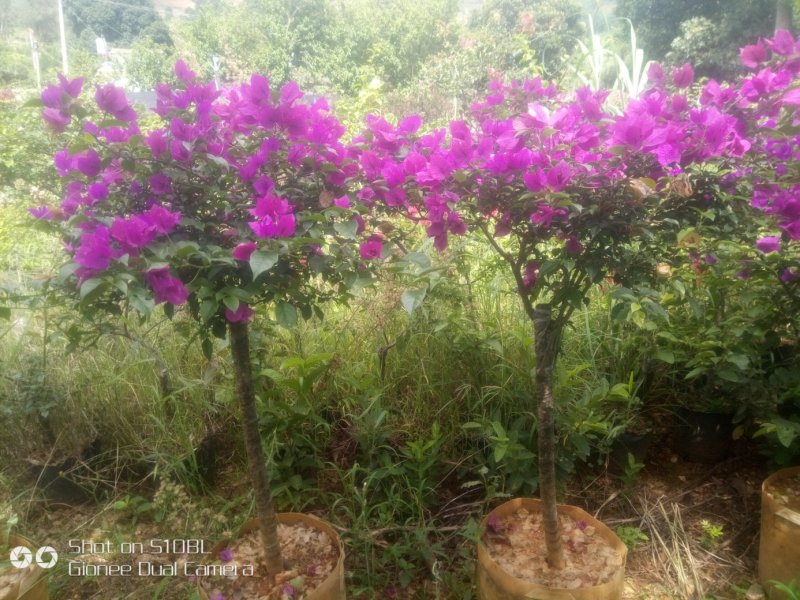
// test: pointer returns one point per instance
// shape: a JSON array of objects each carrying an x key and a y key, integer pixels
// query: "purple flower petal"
[
  {"x": 682, "y": 77},
  {"x": 226, "y": 554},
  {"x": 371, "y": 249},
  {"x": 768, "y": 244},
  {"x": 243, "y": 251},
  {"x": 242, "y": 314},
  {"x": 166, "y": 288}
]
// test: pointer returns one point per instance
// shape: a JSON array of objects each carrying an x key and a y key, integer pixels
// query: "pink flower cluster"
[
  {"x": 530, "y": 156},
  {"x": 530, "y": 160},
  {"x": 229, "y": 169}
]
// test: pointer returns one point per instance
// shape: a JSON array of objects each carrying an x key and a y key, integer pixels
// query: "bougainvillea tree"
[
  {"x": 566, "y": 193},
  {"x": 768, "y": 98},
  {"x": 238, "y": 199}
]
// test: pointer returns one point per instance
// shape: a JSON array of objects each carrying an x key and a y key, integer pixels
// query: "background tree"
[
  {"x": 119, "y": 23},
  {"x": 723, "y": 27},
  {"x": 542, "y": 35},
  {"x": 237, "y": 200},
  {"x": 784, "y": 15}
]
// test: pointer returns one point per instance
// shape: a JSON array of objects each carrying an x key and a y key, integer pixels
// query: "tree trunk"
[
  {"x": 547, "y": 339},
  {"x": 265, "y": 511},
  {"x": 783, "y": 15}
]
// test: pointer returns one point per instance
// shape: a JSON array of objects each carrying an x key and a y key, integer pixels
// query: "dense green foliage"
[
  {"x": 118, "y": 23},
  {"x": 708, "y": 34}
]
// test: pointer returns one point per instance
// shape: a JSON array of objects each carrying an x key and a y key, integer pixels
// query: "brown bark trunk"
[
  {"x": 783, "y": 15},
  {"x": 547, "y": 336},
  {"x": 265, "y": 511}
]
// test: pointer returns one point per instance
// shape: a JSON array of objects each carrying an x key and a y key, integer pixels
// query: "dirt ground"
[{"x": 694, "y": 529}]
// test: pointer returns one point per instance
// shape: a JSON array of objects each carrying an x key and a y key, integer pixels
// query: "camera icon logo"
[
  {"x": 22, "y": 557},
  {"x": 42, "y": 553}
]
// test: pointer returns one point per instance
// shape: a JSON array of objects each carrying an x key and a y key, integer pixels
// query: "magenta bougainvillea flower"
[
  {"x": 683, "y": 77},
  {"x": 112, "y": 100},
  {"x": 132, "y": 233},
  {"x": 528, "y": 160},
  {"x": 152, "y": 227},
  {"x": 244, "y": 250},
  {"x": 226, "y": 555},
  {"x": 371, "y": 249},
  {"x": 769, "y": 243},
  {"x": 242, "y": 314},
  {"x": 94, "y": 252},
  {"x": 753, "y": 55},
  {"x": 166, "y": 287}
]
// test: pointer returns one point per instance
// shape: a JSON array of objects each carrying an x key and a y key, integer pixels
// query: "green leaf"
[
  {"x": 232, "y": 302},
  {"x": 728, "y": 375},
  {"x": 89, "y": 286},
  {"x": 740, "y": 360},
  {"x": 411, "y": 299},
  {"x": 5, "y": 312},
  {"x": 121, "y": 285},
  {"x": 285, "y": 314},
  {"x": 261, "y": 262},
  {"x": 573, "y": 297},
  {"x": 786, "y": 433},
  {"x": 347, "y": 229},
  {"x": 668, "y": 336},
  {"x": 218, "y": 160},
  {"x": 499, "y": 452},
  {"x": 581, "y": 445},
  {"x": 208, "y": 348},
  {"x": 695, "y": 372},
  {"x": 667, "y": 356},
  {"x": 549, "y": 266},
  {"x": 208, "y": 309},
  {"x": 219, "y": 328},
  {"x": 418, "y": 258},
  {"x": 142, "y": 304}
]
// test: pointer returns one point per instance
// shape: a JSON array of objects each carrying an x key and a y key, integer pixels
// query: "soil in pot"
[
  {"x": 512, "y": 556},
  {"x": 704, "y": 437},
  {"x": 779, "y": 546},
  {"x": 311, "y": 551},
  {"x": 22, "y": 584}
]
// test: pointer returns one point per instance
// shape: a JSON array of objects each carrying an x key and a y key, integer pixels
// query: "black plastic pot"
[
  {"x": 70, "y": 480},
  {"x": 636, "y": 444},
  {"x": 704, "y": 437}
]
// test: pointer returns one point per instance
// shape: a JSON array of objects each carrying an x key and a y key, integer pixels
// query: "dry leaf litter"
[
  {"x": 310, "y": 552},
  {"x": 517, "y": 544}
]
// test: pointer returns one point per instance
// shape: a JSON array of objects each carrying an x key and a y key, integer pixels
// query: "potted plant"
[
  {"x": 566, "y": 196},
  {"x": 633, "y": 436},
  {"x": 776, "y": 260},
  {"x": 718, "y": 342},
  {"x": 236, "y": 199},
  {"x": 569, "y": 196},
  {"x": 779, "y": 545}
]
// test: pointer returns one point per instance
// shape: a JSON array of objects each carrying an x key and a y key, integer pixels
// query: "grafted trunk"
[
  {"x": 265, "y": 511},
  {"x": 547, "y": 336}
]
